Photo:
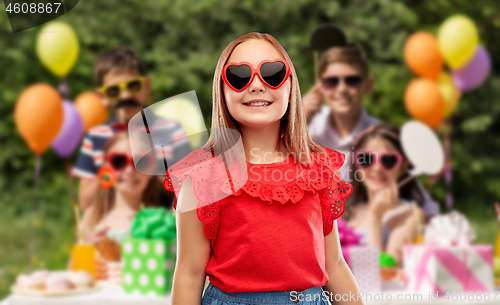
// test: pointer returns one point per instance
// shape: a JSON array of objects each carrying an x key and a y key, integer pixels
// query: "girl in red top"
[{"x": 272, "y": 239}]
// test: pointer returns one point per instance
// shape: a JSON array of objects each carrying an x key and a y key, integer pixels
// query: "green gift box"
[{"x": 148, "y": 257}]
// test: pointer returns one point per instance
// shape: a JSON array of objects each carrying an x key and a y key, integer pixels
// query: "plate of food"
[{"x": 55, "y": 283}]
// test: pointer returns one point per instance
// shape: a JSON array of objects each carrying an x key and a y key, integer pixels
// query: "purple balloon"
[
  {"x": 474, "y": 72},
  {"x": 71, "y": 131}
]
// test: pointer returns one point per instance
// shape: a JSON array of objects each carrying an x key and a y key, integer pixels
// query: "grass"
[{"x": 54, "y": 238}]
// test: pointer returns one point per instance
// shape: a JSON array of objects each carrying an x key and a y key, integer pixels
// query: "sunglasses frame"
[
  {"x": 341, "y": 79},
  {"x": 130, "y": 161},
  {"x": 255, "y": 71},
  {"x": 123, "y": 86},
  {"x": 377, "y": 158}
]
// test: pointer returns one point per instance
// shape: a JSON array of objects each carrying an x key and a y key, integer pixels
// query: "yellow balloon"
[
  {"x": 187, "y": 114},
  {"x": 451, "y": 95},
  {"x": 57, "y": 47},
  {"x": 457, "y": 38}
]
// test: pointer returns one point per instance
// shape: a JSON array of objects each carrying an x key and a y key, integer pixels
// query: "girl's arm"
[
  {"x": 380, "y": 202},
  {"x": 341, "y": 281},
  {"x": 193, "y": 250},
  {"x": 404, "y": 231}
]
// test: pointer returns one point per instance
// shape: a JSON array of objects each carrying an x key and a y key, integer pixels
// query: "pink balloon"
[{"x": 475, "y": 72}]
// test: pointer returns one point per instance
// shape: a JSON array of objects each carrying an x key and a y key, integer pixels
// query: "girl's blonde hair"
[
  {"x": 150, "y": 196},
  {"x": 293, "y": 124}
]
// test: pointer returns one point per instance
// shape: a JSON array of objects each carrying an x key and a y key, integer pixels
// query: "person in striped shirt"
[{"x": 124, "y": 89}]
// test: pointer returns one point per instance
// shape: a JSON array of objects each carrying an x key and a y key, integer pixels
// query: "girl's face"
[
  {"x": 254, "y": 51},
  {"x": 128, "y": 181},
  {"x": 376, "y": 177}
]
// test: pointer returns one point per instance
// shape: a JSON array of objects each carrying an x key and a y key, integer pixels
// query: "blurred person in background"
[
  {"x": 343, "y": 82},
  {"x": 383, "y": 212},
  {"x": 112, "y": 212},
  {"x": 124, "y": 88}
]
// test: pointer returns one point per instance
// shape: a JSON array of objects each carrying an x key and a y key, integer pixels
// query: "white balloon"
[{"x": 423, "y": 148}]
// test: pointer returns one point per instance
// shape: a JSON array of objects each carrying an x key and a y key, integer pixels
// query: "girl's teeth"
[{"x": 259, "y": 104}]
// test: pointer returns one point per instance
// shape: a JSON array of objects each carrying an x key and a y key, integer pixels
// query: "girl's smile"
[{"x": 259, "y": 103}]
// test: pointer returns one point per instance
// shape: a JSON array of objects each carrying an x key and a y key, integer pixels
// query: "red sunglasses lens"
[
  {"x": 238, "y": 76},
  {"x": 118, "y": 162},
  {"x": 389, "y": 161},
  {"x": 273, "y": 73}
]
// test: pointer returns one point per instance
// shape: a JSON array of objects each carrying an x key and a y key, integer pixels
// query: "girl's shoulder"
[{"x": 209, "y": 176}]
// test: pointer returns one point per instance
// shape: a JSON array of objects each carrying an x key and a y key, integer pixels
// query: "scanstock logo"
[{"x": 25, "y": 14}]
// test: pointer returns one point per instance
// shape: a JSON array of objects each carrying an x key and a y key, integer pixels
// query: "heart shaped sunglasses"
[
  {"x": 389, "y": 160},
  {"x": 273, "y": 73},
  {"x": 119, "y": 161}
]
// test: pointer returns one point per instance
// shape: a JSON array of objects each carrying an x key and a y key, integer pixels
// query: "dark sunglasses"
[
  {"x": 273, "y": 73},
  {"x": 332, "y": 82},
  {"x": 389, "y": 161},
  {"x": 119, "y": 161},
  {"x": 113, "y": 92}
]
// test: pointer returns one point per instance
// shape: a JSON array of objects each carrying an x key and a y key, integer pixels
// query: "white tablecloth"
[
  {"x": 392, "y": 294},
  {"x": 107, "y": 295}
]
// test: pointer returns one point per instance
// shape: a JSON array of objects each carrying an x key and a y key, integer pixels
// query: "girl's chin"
[
  {"x": 375, "y": 186},
  {"x": 258, "y": 122}
]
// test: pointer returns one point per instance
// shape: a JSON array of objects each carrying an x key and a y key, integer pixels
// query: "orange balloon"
[
  {"x": 424, "y": 102},
  {"x": 422, "y": 55},
  {"x": 39, "y": 116},
  {"x": 91, "y": 109}
]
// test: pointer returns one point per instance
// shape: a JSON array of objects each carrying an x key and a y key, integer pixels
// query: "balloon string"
[
  {"x": 72, "y": 199},
  {"x": 64, "y": 89},
  {"x": 34, "y": 210}
]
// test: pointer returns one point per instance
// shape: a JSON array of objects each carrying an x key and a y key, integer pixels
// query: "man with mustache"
[{"x": 124, "y": 89}]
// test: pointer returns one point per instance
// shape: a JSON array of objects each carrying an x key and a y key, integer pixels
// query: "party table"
[
  {"x": 106, "y": 295},
  {"x": 113, "y": 295}
]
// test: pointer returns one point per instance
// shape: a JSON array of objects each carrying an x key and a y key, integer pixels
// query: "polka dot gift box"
[{"x": 148, "y": 257}]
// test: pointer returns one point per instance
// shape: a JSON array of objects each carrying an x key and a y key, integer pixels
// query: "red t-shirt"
[{"x": 269, "y": 234}]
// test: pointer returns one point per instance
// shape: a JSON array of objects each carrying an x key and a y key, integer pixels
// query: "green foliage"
[{"x": 181, "y": 41}]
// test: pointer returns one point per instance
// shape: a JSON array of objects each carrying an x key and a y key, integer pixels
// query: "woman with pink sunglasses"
[{"x": 379, "y": 208}]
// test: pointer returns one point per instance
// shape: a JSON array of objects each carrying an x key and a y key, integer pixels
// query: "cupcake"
[
  {"x": 109, "y": 249},
  {"x": 388, "y": 267},
  {"x": 29, "y": 282},
  {"x": 25, "y": 281},
  {"x": 56, "y": 283},
  {"x": 81, "y": 279}
]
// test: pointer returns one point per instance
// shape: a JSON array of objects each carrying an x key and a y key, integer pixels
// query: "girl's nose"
[
  {"x": 129, "y": 168},
  {"x": 257, "y": 85}
]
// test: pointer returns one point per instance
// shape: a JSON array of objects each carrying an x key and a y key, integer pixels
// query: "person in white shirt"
[{"x": 343, "y": 82}]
